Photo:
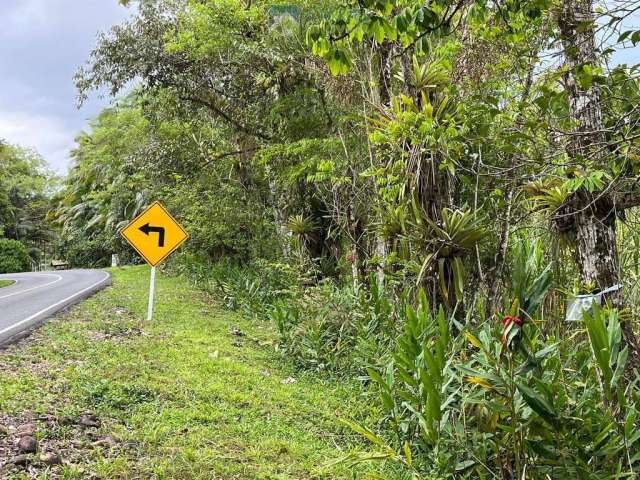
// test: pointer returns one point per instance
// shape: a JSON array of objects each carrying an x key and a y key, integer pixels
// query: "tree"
[
  {"x": 591, "y": 214},
  {"x": 14, "y": 257},
  {"x": 395, "y": 116},
  {"x": 25, "y": 189}
]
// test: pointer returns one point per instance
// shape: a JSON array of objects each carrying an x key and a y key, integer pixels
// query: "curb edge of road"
[{"x": 41, "y": 317}]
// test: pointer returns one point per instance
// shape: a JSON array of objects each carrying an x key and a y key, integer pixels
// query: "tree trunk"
[
  {"x": 355, "y": 271},
  {"x": 284, "y": 235},
  {"x": 384, "y": 100},
  {"x": 356, "y": 234},
  {"x": 381, "y": 252},
  {"x": 500, "y": 258},
  {"x": 596, "y": 251},
  {"x": 591, "y": 215},
  {"x": 496, "y": 277},
  {"x": 384, "y": 73}
]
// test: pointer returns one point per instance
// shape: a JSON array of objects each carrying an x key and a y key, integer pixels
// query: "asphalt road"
[{"x": 39, "y": 295}]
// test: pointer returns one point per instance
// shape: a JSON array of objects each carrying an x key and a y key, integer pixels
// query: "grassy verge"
[
  {"x": 6, "y": 283},
  {"x": 199, "y": 393}
]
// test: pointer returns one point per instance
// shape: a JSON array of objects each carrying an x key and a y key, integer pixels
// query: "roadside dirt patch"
[
  {"x": 114, "y": 332},
  {"x": 32, "y": 443}
]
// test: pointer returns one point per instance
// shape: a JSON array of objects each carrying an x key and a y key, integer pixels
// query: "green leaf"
[
  {"x": 464, "y": 465},
  {"x": 368, "y": 434},
  {"x": 536, "y": 292},
  {"x": 334, "y": 66},
  {"x": 630, "y": 423},
  {"x": 458, "y": 278},
  {"x": 376, "y": 29},
  {"x": 442, "y": 279},
  {"x": 377, "y": 378},
  {"x": 539, "y": 405},
  {"x": 473, "y": 340},
  {"x": 407, "y": 453}
]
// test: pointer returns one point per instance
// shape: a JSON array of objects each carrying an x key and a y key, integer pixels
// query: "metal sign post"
[
  {"x": 152, "y": 291},
  {"x": 155, "y": 235}
]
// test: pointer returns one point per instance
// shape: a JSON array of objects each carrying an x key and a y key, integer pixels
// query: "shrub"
[
  {"x": 252, "y": 289},
  {"x": 95, "y": 252},
  {"x": 318, "y": 330},
  {"x": 505, "y": 401},
  {"x": 13, "y": 257},
  {"x": 85, "y": 253},
  {"x": 328, "y": 327}
]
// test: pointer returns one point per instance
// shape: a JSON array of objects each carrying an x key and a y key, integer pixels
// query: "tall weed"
[{"x": 504, "y": 401}]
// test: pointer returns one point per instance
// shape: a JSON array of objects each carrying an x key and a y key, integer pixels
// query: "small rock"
[
  {"x": 89, "y": 420},
  {"x": 235, "y": 331},
  {"x": 107, "y": 442},
  {"x": 50, "y": 458},
  {"x": 19, "y": 460},
  {"x": 27, "y": 444},
  {"x": 26, "y": 429},
  {"x": 237, "y": 343},
  {"x": 66, "y": 421},
  {"x": 288, "y": 380}
]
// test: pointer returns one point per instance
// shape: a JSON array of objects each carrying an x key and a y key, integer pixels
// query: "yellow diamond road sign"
[{"x": 155, "y": 234}]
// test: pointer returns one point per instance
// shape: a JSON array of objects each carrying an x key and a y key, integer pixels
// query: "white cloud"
[
  {"x": 42, "y": 17},
  {"x": 46, "y": 134},
  {"x": 27, "y": 15},
  {"x": 42, "y": 43}
]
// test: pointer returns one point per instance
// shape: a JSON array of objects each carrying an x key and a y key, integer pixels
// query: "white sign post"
[{"x": 152, "y": 291}]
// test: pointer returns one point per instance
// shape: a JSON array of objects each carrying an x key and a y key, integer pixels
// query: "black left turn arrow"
[{"x": 147, "y": 229}]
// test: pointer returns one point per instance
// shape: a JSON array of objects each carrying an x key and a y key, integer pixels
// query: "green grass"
[
  {"x": 6, "y": 283},
  {"x": 183, "y": 397}
]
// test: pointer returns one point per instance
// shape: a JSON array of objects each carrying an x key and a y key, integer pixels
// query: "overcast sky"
[{"x": 42, "y": 43}]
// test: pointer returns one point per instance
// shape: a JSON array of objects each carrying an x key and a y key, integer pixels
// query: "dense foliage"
[
  {"x": 13, "y": 257},
  {"x": 25, "y": 191},
  {"x": 410, "y": 191}
]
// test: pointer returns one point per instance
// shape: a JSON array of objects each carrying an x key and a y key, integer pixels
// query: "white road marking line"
[
  {"x": 35, "y": 288},
  {"x": 35, "y": 315}
]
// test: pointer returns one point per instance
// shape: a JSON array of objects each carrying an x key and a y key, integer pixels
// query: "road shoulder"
[{"x": 197, "y": 393}]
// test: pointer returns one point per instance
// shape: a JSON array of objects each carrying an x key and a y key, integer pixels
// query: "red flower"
[
  {"x": 351, "y": 258},
  {"x": 508, "y": 320}
]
